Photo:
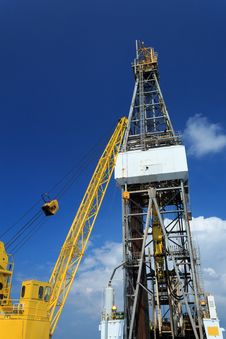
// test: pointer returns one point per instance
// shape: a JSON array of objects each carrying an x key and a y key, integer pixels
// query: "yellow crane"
[{"x": 36, "y": 314}]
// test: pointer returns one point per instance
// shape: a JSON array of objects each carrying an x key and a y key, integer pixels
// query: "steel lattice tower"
[{"x": 162, "y": 293}]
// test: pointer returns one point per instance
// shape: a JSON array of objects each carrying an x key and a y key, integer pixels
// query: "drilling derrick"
[{"x": 162, "y": 293}]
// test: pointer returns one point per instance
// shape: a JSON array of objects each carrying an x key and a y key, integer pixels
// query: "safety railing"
[{"x": 30, "y": 309}]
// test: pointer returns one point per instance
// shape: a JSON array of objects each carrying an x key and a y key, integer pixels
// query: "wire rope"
[
  {"x": 23, "y": 229},
  {"x": 9, "y": 228},
  {"x": 63, "y": 186},
  {"x": 23, "y": 242}
]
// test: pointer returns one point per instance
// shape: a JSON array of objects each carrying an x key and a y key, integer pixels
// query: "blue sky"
[{"x": 66, "y": 78}]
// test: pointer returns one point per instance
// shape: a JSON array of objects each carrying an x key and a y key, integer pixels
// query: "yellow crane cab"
[
  {"x": 28, "y": 318},
  {"x": 36, "y": 313}
]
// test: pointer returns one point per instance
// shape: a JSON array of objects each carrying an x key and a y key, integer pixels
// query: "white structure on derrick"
[{"x": 163, "y": 296}]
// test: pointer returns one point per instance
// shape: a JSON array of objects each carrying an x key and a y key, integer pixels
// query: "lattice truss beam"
[
  {"x": 168, "y": 273},
  {"x": 149, "y": 121},
  {"x": 76, "y": 242},
  {"x": 169, "y": 292}
]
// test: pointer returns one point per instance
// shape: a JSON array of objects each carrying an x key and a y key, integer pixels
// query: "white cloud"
[
  {"x": 203, "y": 137},
  {"x": 210, "y": 235},
  {"x": 86, "y": 297},
  {"x": 211, "y": 273},
  {"x": 88, "y": 288}
]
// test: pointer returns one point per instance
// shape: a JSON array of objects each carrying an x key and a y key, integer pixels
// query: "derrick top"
[
  {"x": 149, "y": 123},
  {"x": 146, "y": 58}
]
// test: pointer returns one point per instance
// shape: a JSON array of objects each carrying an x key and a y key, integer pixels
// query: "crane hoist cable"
[
  {"x": 9, "y": 228},
  {"x": 76, "y": 171},
  {"x": 21, "y": 236},
  {"x": 32, "y": 222},
  {"x": 79, "y": 233},
  {"x": 23, "y": 229},
  {"x": 74, "y": 177},
  {"x": 28, "y": 236},
  {"x": 43, "y": 301}
]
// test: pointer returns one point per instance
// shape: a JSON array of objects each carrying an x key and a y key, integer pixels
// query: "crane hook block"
[{"x": 51, "y": 207}]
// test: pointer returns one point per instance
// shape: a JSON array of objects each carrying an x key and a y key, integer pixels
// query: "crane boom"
[{"x": 77, "y": 238}]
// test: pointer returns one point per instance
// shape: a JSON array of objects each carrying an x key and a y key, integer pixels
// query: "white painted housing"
[
  {"x": 212, "y": 329},
  {"x": 211, "y": 325},
  {"x": 212, "y": 307},
  {"x": 155, "y": 164},
  {"x": 111, "y": 329},
  {"x": 109, "y": 301}
]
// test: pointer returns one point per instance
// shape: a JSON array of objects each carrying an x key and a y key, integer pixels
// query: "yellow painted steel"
[
  {"x": 50, "y": 207},
  {"x": 21, "y": 328},
  {"x": 28, "y": 317},
  {"x": 126, "y": 195},
  {"x": 3, "y": 257},
  {"x": 5, "y": 275},
  {"x": 76, "y": 242},
  {"x": 36, "y": 313},
  {"x": 149, "y": 60},
  {"x": 213, "y": 331},
  {"x": 158, "y": 241}
]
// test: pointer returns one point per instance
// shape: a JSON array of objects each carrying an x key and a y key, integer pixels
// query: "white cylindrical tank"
[{"x": 109, "y": 301}]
